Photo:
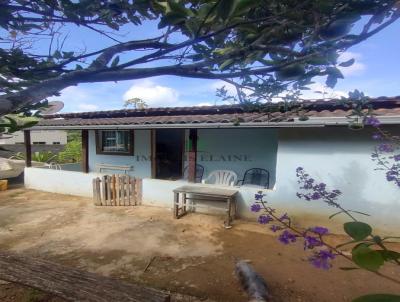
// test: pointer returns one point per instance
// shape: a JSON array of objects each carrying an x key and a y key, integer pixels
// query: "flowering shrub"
[
  {"x": 369, "y": 251},
  {"x": 315, "y": 191},
  {"x": 387, "y": 152},
  {"x": 312, "y": 237}
]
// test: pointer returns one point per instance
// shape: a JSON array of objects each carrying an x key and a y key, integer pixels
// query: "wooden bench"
[{"x": 124, "y": 168}]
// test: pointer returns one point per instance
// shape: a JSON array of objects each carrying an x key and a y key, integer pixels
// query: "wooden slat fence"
[{"x": 117, "y": 190}]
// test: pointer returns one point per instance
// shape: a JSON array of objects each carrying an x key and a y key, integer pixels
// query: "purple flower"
[
  {"x": 259, "y": 195},
  {"x": 286, "y": 237},
  {"x": 310, "y": 242},
  {"x": 315, "y": 196},
  {"x": 319, "y": 230},
  {"x": 393, "y": 175},
  {"x": 396, "y": 157},
  {"x": 372, "y": 121},
  {"x": 316, "y": 191},
  {"x": 255, "y": 207},
  {"x": 377, "y": 136},
  {"x": 322, "y": 259},
  {"x": 320, "y": 187},
  {"x": 386, "y": 148},
  {"x": 275, "y": 228},
  {"x": 264, "y": 219},
  {"x": 284, "y": 217},
  {"x": 390, "y": 177}
]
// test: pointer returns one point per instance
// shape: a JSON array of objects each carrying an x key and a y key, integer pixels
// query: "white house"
[{"x": 158, "y": 144}]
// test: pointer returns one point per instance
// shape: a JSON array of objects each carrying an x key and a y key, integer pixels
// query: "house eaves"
[{"x": 296, "y": 123}]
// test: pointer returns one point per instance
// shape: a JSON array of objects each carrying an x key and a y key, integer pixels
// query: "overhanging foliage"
[{"x": 263, "y": 46}]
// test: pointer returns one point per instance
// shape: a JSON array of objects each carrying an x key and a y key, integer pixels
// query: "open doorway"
[{"x": 169, "y": 153}]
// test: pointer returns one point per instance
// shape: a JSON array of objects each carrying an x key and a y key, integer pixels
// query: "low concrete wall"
[
  {"x": 60, "y": 181},
  {"x": 159, "y": 192}
]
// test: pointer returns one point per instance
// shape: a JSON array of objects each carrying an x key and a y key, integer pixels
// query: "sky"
[{"x": 376, "y": 72}]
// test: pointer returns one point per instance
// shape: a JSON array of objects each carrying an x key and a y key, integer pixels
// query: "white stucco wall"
[
  {"x": 62, "y": 182},
  {"x": 140, "y": 160},
  {"x": 341, "y": 158},
  {"x": 49, "y": 137}
]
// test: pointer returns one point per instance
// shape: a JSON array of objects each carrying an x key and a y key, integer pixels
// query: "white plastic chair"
[{"x": 221, "y": 177}]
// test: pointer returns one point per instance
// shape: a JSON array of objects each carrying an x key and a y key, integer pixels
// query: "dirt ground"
[{"x": 194, "y": 255}]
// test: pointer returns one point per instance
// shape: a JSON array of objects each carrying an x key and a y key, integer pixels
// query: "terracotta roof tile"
[{"x": 383, "y": 106}]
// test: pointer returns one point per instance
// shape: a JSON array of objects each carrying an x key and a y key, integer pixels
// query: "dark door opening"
[{"x": 169, "y": 153}]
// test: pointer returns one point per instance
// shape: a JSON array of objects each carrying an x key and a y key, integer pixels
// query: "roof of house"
[{"x": 319, "y": 113}]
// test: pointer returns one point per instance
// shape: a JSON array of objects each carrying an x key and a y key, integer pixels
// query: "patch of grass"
[
  {"x": 15, "y": 194},
  {"x": 34, "y": 295}
]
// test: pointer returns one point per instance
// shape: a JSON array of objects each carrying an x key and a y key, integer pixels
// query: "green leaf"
[
  {"x": 206, "y": 10},
  {"x": 318, "y": 60},
  {"x": 291, "y": 72},
  {"x": 226, "y": 8},
  {"x": 367, "y": 258},
  {"x": 68, "y": 54},
  {"x": 347, "y": 63},
  {"x": 163, "y": 22},
  {"x": 173, "y": 18},
  {"x": 334, "y": 72},
  {"x": 179, "y": 9},
  {"x": 223, "y": 51},
  {"x": 243, "y": 6},
  {"x": 115, "y": 61},
  {"x": 29, "y": 124},
  {"x": 378, "y": 298},
  {"x": 164, "y": 5},
  {"x": 57, "y": 54},
  {"x": 357, "y": 230},
  {"x": 192, "y": 26},
  {"x": 226, "y": 64},
  {"x": 389, "y": 255},
  {"x": 13, "y": 126},
  {"x": 175, "y": 13}
]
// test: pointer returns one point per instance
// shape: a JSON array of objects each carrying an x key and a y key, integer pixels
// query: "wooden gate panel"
[{"x": 117, "y": 190}]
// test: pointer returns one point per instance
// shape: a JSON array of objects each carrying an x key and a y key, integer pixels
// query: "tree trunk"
[{"x": 73, "y": 284}]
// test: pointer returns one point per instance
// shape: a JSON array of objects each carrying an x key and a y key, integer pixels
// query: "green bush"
[
  {"x": 71, "y": 153},
  {"x": 42, "y": 156}
]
